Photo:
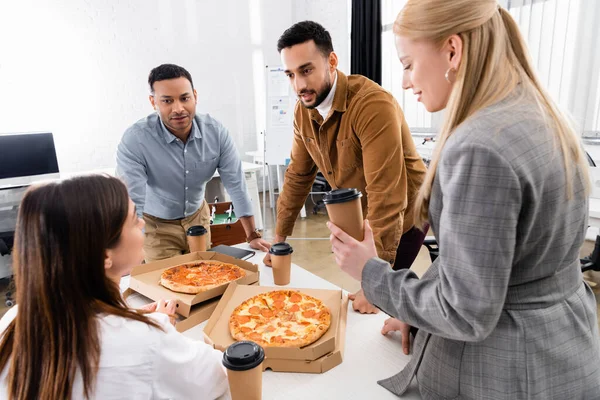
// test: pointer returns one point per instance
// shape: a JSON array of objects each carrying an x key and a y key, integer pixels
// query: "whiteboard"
[{"x": 280, "y": 116}]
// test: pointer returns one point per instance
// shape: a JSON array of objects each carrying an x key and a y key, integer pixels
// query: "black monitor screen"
[{"x": 27, "y": 155}]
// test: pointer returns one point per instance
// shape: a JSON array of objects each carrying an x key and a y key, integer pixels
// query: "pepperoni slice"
[
  {"x": 270, "y": 329},
  {"x": 320, "y": 314},
  {"x": 279, "y": 305},
  {"x": 255, "y": 336},
  {"x": 308, "y": 306},
  {"x": 279, "y": 297},
  {"x": 308, "y": 313},
  {"x": 295, "y": 308},
  {"x": 242, "y": 319},
  {"x": 266, "y": 313},
  {"x": 277, "y": 339},
  {"x": 295, "y": 298},
  {"x": 254, "y": 310},
  {"x": 245, "y": 329},
  {"x": 290, "y": 333}
]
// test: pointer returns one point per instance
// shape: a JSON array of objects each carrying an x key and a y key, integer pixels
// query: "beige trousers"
[{"x": 167, "y": 238}]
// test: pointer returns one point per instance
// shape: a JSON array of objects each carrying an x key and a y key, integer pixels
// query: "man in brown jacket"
[{"x": 354, "y": 132}]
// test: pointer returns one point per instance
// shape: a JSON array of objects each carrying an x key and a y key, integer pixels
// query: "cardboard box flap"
[
  {"x": 218, "y": 326},
  {"x": 145, "y": 279}
]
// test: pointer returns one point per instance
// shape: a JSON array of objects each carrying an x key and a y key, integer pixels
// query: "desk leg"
[
  {"x": 271, "y": 189},
  {"x": 279, "y": 178},
  {"x": 252, "y": 185}
]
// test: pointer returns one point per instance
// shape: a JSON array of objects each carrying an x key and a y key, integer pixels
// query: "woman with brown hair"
[
  {"x": 73, "y": 335},
  {"x": 503, "y": 312}
]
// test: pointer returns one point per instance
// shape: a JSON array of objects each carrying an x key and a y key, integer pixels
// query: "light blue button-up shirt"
[{"x": 167, "y": 178}]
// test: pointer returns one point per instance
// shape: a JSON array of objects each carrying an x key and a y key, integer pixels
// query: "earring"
[{"x": 450, "y": 75}]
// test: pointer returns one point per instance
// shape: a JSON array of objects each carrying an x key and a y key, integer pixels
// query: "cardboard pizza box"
[
  {"x": 322, "y": 364},
  {"x": 217, "y": 327},
  {"x": 198, "y": 314},
  {"x": 145, "y": 279}
]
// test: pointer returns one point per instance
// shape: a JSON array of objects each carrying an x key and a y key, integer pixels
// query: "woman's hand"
[
  {"x": 393, "y": 324},
  {"x": 168, "y": 308},
  {"x": 149, "y": 307},
  {"x": 350, "y": 254},
  {"x": 164, "y": 307}
]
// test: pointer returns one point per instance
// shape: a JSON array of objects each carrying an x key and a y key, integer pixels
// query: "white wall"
[
  {"x": 79, "y": 68},
  {"x": 335, "y": 16}
]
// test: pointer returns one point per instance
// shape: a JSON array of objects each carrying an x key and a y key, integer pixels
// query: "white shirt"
[
  {"x": 138, "y": 361},
  {"x": 325, "y": 106}
]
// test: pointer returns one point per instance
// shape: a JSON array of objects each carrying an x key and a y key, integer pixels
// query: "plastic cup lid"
[
  {"x": 197, "y": 230},
  {"x": 281, "y": 249},
  {"x": 242, "y": 356},
  {"x": 341, "y": 196}
]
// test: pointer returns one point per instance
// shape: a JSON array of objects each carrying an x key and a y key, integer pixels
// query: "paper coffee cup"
[
  {"x": 196, "y": 237},
  {"x": 345, "y": 211},
  {"x": 281, "y": 260},
  {"x": 243, "y": 361}
]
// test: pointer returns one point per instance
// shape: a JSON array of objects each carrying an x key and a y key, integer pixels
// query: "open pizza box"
[
  {"x": 318, "y": 357},
  {"x": 145, "y": 280},
  {"x": 200, "y": 312}
]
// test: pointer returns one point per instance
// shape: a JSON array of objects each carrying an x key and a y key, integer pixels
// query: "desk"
[
  {"x": 368, "y": 355},
  {"x": 259, "y": 159},
  {"x": 11, "y": 193}
]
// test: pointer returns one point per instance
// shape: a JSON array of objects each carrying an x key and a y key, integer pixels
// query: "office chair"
[
  {"x": 590, "y": 263},
  {"x": 319, "y": 186}
]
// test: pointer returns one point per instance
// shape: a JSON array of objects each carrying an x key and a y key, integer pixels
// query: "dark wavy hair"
[{"x": 304, "y": 31}]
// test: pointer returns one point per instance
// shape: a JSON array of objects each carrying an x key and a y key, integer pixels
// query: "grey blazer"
[{"x": 503, "y": 313}]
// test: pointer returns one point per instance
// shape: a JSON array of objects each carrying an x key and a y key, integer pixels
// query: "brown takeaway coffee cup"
[
  {"x": 243, "y": 361},
  {"x": 345, "y": 211},
  {"x": 281, "y": 260},
  {"x": 196, "y": 237}
]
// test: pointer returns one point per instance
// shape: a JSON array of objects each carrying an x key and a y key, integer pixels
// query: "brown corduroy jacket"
[{"x": 365, "y": 144}]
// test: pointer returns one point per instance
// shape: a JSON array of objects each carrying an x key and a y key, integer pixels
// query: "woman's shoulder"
[
  {"x": 508, "y": 128},
  {"x": 115, "y": 330},
  {"x": 126, "y": 341},
  {"x": 118, "y": 325}
]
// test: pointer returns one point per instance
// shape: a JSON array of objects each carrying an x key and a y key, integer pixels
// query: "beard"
[{"x": 321, "y": 94}]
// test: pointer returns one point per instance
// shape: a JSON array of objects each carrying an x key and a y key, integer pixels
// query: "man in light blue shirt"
[{"x": 167, "y": 158}]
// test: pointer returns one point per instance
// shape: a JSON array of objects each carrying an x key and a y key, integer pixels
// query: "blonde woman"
[{"x": 503, "y": 313}]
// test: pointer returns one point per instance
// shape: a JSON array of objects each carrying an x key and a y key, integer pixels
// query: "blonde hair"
[{"x": 494, "y": 61}]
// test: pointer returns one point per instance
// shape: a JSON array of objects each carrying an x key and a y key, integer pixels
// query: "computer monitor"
[{"x": 27, "y": 158}]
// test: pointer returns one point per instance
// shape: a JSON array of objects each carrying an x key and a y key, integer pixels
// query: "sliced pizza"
[
  {"x": 200, "y": 276},
  {"x": 282, "y": 318}
]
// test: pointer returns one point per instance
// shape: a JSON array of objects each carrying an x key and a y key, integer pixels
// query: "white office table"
[
  {"x": 368, "y": 355},
  {"x": 594, "y": 215}
]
